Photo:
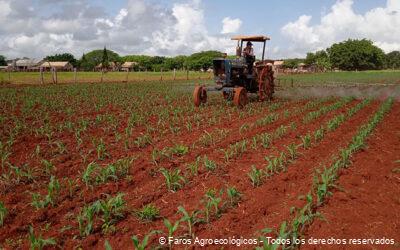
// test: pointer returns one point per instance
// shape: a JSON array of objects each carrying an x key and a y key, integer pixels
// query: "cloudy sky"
[{"x": 36, "y": 28}]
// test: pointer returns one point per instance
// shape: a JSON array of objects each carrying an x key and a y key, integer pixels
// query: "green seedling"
[
  {"x": 148, "y": 212},
  {"x": 173, "y": 179}
]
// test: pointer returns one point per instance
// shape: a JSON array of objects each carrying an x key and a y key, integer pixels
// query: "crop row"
[{"x": 323, "y": 183}]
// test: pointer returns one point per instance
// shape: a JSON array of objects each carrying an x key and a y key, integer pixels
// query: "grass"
[
  {"x": 95, "y": 77},
  {"x": 384, "y": 76}
]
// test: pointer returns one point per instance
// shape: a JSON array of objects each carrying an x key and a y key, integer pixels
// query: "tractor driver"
[
  {"x": 248, "y": 50},
  {"x": 248, "y": 54}
]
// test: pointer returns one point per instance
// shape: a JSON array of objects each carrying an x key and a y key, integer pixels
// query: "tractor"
[{"x": 235, "y": 78}]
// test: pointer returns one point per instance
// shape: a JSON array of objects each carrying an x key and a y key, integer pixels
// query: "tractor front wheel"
[
  {"x": 199, "y": 95},
  {"x": 240, "y": 97}
]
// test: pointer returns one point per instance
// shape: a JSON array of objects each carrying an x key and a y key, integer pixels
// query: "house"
[
  {"x": 27, "y": 64},
  {"x": 278, "y": 65},
  {"x": 59, "y": 66},
  {"x": 129, "y": 66},
  {"x": 5, "y": 68},
  {"x": 112, "y": 66}
]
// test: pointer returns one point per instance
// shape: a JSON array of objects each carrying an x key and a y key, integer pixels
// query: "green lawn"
[
  {"x": 362, "y": 77},
  {"x": 96, "y": 77},
  {"x": 366, "y": 77}
]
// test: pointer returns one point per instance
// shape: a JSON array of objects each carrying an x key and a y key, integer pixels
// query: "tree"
[
  {"x": 310, "y": 59},
  {"x": 104, "y": 61},
  {"x": 145, "y": 62},
  {"x": 177, "y": 62},
  {"x": 65, "y": 57},
  {"x": 292, "y": 63},
  {"x": 356, "y": 55},
  {"x": 3, "y": 61},
  {"x": 392, "y": 60},
  {"x": 202, "y": 60},
  {"x": 90, "y": 60}
]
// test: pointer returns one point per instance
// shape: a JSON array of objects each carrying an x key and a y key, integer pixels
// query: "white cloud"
[
  {"x": 230, "y": 25},
  {"x": 381, "y": 25},
  {"x": 78, "y": 26}
]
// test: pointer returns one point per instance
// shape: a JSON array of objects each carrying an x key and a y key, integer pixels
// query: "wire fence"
[{"x": 55, "y": 77}]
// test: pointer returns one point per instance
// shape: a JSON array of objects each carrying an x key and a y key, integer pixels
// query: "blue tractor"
[{"x": 235, "y": 78}]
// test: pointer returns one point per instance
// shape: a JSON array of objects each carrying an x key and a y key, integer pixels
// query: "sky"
[{"x": 37, "y": 28}]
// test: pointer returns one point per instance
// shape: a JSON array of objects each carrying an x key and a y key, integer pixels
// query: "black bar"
[{"x": 263, "y": 51}]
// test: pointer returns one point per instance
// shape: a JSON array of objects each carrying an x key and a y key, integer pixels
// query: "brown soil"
[
  {"x": 264, "y": 206},
  {"x": 367, "y": 205}
]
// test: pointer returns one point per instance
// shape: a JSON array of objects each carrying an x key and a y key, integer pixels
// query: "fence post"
[
  {"x": 187, "y": 74},
  {"x": 127, "y": 75},
  {"x": 174, "y": 74},
  {"x": 53, "y": 77},
  {"x": 292, "y": 82},
  {"x": 74, "y": 75},
  {"x": 55, "y": 74},
  {"x": 41, "y": 76},
  {"x": 161, "y": 74},
  {"x": 102, "y": 76},
  {"x": 9, "y": 75}
]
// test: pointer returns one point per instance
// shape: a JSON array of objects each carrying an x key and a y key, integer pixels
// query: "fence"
[{"x": 55, "y": 77}]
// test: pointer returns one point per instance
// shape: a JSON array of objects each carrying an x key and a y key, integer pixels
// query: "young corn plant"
[
  {"x": 283, "y": 234},
  {"x": 37, "y": 242},
  {"x": 85, "y": 220},
  {"x": 209, "y": 164},
  {"x": 306, "y": 141},
  {"x": 143, "y": 141},
  {"x": 335, "y": 122},
  {"x": 179, "y": 150},
  {"x": 3, "y": 213},
  {"x": 53, "y": 191},
  {"x": 266, "y": 140},
  {"x": 171, "y": 228},
  {"x": 292, "y": 151},
  {"x": 112, "y": 210},
  {"x": 4, "y": 154},
  {"x": 234, "y": 196},
  {"x": 276, "y": 164},
  {"x": 101, "y": 149},
  {"x": 148, "y": 212},
  {"x": 173, "y": 179},
  {"x": 194, "y": 167},
  {"x": 191, "y": 219},
  {"x": 211, "y": 202},
  {"x": 256, "y": 176},
  {"x": 48, "y": 167},
  {"x": 319, "y": 134},
  {"x": 323, "y": 182},
  {"x": 279, "y": 132},
  {"x": 143, "y": 244}
]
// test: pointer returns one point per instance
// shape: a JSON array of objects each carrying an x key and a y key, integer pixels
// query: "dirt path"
[{"x": 368, "y": 204}]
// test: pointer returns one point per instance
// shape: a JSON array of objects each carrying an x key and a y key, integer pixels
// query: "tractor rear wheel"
[
  {"x": 240, "y": 97},
  {"x": 266, "y": 83},
  {"x": 199, "y": 95}
]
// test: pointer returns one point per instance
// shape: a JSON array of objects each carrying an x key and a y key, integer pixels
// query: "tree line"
[
  {"x": 347, "y": 55},
  {"x": 89, "y": 61}
]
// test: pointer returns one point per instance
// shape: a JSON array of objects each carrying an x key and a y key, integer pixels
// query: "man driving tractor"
[{"x": 248, "y": 54}]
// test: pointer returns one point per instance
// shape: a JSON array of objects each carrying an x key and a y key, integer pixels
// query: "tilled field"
[{"x": 94, "y": 166}]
